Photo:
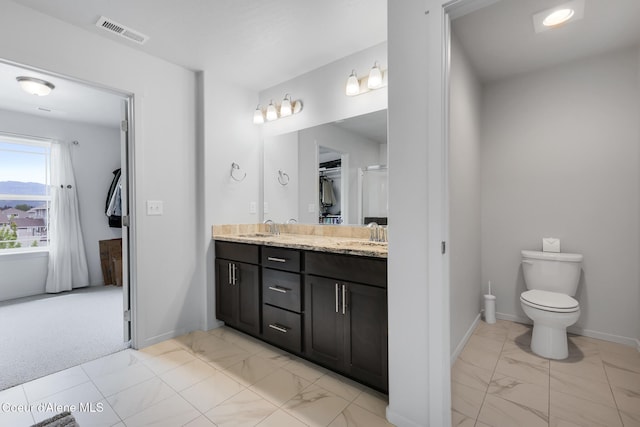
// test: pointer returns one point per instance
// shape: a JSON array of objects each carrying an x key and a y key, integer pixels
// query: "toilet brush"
[{"x": 489, "y": 306}]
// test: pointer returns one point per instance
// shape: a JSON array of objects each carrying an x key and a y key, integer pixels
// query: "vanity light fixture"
[
  {"x": 258, "y": 116},
  {"x": 376, "y": 79},
  {"x": 34, "y": 86},
  {"x": 287, "y": 107},
  {"x": 558, "y": 16}
]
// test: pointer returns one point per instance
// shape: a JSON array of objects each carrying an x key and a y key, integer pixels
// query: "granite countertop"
[{"x": 335, "y": 239}]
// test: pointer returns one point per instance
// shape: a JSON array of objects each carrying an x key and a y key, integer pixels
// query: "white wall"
[
  {"x": 94, "y": 159},
  {"x": 560, "y": 158},
  {"x": 464, "y": 195},
  {"x": 169, "y": 269},
  {"x": 362, "y": 152}
]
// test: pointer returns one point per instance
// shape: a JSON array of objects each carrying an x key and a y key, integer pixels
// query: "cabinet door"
[
  {"x": 324, "y": 325},
  {"x": 225, "y": 292},
  {"x": 247, "y": 279},
  {"x": 366, "y": 334}
]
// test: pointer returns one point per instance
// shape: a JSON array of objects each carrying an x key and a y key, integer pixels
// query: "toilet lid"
[{"x": 550, "y": 301}]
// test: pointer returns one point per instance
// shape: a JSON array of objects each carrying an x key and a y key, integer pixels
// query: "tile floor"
[
  {"x": 497, "y": 381},
  {"x": 215, "y": 378}
]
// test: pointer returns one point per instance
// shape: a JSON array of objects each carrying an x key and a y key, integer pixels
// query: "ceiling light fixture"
[
  {"x": 558, "y": 16},
  {"x": 376, "y": 79},
  {"x": 287, "y": 107},
  {"x": 34, "y": 86}
]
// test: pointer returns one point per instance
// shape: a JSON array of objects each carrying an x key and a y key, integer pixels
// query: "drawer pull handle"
[
  {"x": 337, "y": 297},
  {"x": 279, "y": 328},
  {"x": 279, "y": 289},
  {"x": 276, "y": 259}
]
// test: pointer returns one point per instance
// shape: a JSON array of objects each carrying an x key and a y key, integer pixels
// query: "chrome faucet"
[
  {"x": 273, "y": 227},
  {"x": 374, "y": 233}
]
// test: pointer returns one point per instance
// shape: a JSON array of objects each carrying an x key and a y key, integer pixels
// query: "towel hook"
[
  {"x": 236, "y": 167},
  {"x": 283, "y": 177}
]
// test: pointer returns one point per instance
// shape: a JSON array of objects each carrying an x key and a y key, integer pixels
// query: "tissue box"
[{"x": 550, "y": 244}]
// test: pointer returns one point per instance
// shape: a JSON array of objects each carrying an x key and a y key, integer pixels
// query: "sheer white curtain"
[{"x": 67, "y": 258}]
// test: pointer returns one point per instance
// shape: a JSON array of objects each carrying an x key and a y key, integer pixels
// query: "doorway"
[{"x": 93, "y": 122}]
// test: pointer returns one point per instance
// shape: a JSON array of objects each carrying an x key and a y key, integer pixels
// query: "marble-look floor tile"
[
  {"x": 519, "y": 392},
  {"x": 201, "y": 421},
  {"x": 187, "y": 341},
  {"x": 14, "y": 409},
  {"x": 461, "y": 420},
  {"x": 517, "y": 330},
  {"x": 276, "y": 356},
  {"x": 470, "y": 375},
  {"x": 565, "y": 407},
  {"x": 159, "y": 349},
  {"x": 355, "y": 416},
  {"x": 315, "y": 406},
  {"x": 466, "y": 400},
  {"x": 629, "y": 419},
  {"x": 139, "y": 397},
  {"x": 54, "y": 383},
  {"x": 599, "y": 392},
  {"x": 280, "y": 386},
  {"x": 111, "y": 363},
  {"x": 281, "y": 418},
  {"x": 75, "y": 397},
  {"x": 243, "y": 341},
  {"x": 373, "y": 401},
  {"x": 101, "y": 414},
  {"x": 188, "y": 374},
  {"x": 304, "y": 369},
  {"x": 590, "y": 368},
  {"x": 628, "y": 361},
  {"x": 219, "y": 353},
  {"x": 206, "y": 394},
  {"x": 116, "y": 381},
  {"x": 498, "y": 412},
  {"x": 341, "y": 386},
  {"x": 244, "y": 409},
  {"x": 497, "y": 331},
  {"x": 481, "y": 352},
  {"x": 251, "y": 370},
  {"x": 531, "y": 371},
  {"x": 626, "y": 389},
  {"x": 171, "y": 412},
  {"x": 169, "y": 360}
]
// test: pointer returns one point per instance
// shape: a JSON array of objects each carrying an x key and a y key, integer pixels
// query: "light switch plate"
[{"x": 155, "y": 207}]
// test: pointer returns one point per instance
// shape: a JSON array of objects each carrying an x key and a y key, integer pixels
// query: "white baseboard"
[
  {"x": 464, "y": 339},
  {"x": 398, "y": 420}
]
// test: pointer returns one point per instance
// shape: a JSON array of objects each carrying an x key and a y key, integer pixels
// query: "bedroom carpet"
[{"x": 47, "y": 333}]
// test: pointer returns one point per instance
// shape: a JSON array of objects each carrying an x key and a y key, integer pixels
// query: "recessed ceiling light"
[{"x": 559, "y": 15}]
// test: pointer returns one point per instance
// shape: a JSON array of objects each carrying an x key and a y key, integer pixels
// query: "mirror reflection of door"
[
  {"x": 330, "y": 186},
  {"x": 373, "y": 195}
]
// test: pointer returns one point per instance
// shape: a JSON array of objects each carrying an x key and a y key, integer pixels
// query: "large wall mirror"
[{"x": 335, "y": 173}]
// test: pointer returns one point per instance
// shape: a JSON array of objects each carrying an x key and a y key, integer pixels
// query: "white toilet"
[{"x": 552, "y": 280}]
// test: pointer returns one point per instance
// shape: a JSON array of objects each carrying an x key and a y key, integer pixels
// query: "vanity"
[{"x": 319, "y": 292}]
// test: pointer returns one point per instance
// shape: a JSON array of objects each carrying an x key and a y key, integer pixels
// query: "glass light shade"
[
  {"x": 272, "y": 113},
  {"x": 285, "y": 107},
  {"x": 353, "y": 85},
  {"x": 375, "y": 77},
  {"x": 558, "y": 17},
  {"x": 258, "y": 117},
  {"x": 35, "y": 86}
]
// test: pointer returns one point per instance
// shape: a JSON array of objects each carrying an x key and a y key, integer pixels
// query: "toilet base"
[{"x": 549, "y": 342}]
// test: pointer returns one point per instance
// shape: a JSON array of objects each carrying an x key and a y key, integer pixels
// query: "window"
[{"x": 24, "y": 193}]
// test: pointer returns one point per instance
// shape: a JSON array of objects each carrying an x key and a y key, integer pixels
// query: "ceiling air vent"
[{"x": 119, "y": 29}]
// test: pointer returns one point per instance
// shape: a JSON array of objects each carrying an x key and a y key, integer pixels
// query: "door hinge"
[
  {"x": 125, "y": 221},
  {"x": 444, "y": 247},
  {"x": 124, "y": 125},
  {"x": 127, "y": 315}
]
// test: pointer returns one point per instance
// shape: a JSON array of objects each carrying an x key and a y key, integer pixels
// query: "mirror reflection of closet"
[{"x": 331, "y": 186}]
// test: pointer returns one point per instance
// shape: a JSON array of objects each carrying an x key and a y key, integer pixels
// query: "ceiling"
[
  {"x": 372, "y": 126},
  {"x": 499, "y": 40}
]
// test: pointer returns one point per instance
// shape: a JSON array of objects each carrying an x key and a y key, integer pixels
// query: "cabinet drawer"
[
  {"x": 280, "y": 258},
  {"x": 238, "y": 252},
  {"x": 282, "y": 328},
  {"x": 281, "y": 289},
  {"x": 357, "y": 269}
]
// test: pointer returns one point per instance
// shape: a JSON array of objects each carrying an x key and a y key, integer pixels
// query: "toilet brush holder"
[{"x": 490, "y": 308}]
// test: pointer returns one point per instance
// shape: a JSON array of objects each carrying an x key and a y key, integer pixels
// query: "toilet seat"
[{"x": 549, "y": 301}]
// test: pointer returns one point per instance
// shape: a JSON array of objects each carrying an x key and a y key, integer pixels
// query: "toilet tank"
[{"x": 549, "y": 271}]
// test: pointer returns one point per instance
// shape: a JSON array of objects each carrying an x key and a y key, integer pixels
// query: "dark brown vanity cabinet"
[
  {"x": 346, "y": 321},
  {"x": 238, "y": 286},
  {"x": 282, "y": 297}
]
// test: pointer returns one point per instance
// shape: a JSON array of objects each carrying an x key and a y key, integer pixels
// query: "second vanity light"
[
  {"x": 274, "y": 112},
  {"x": 376, "y": 79}
]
